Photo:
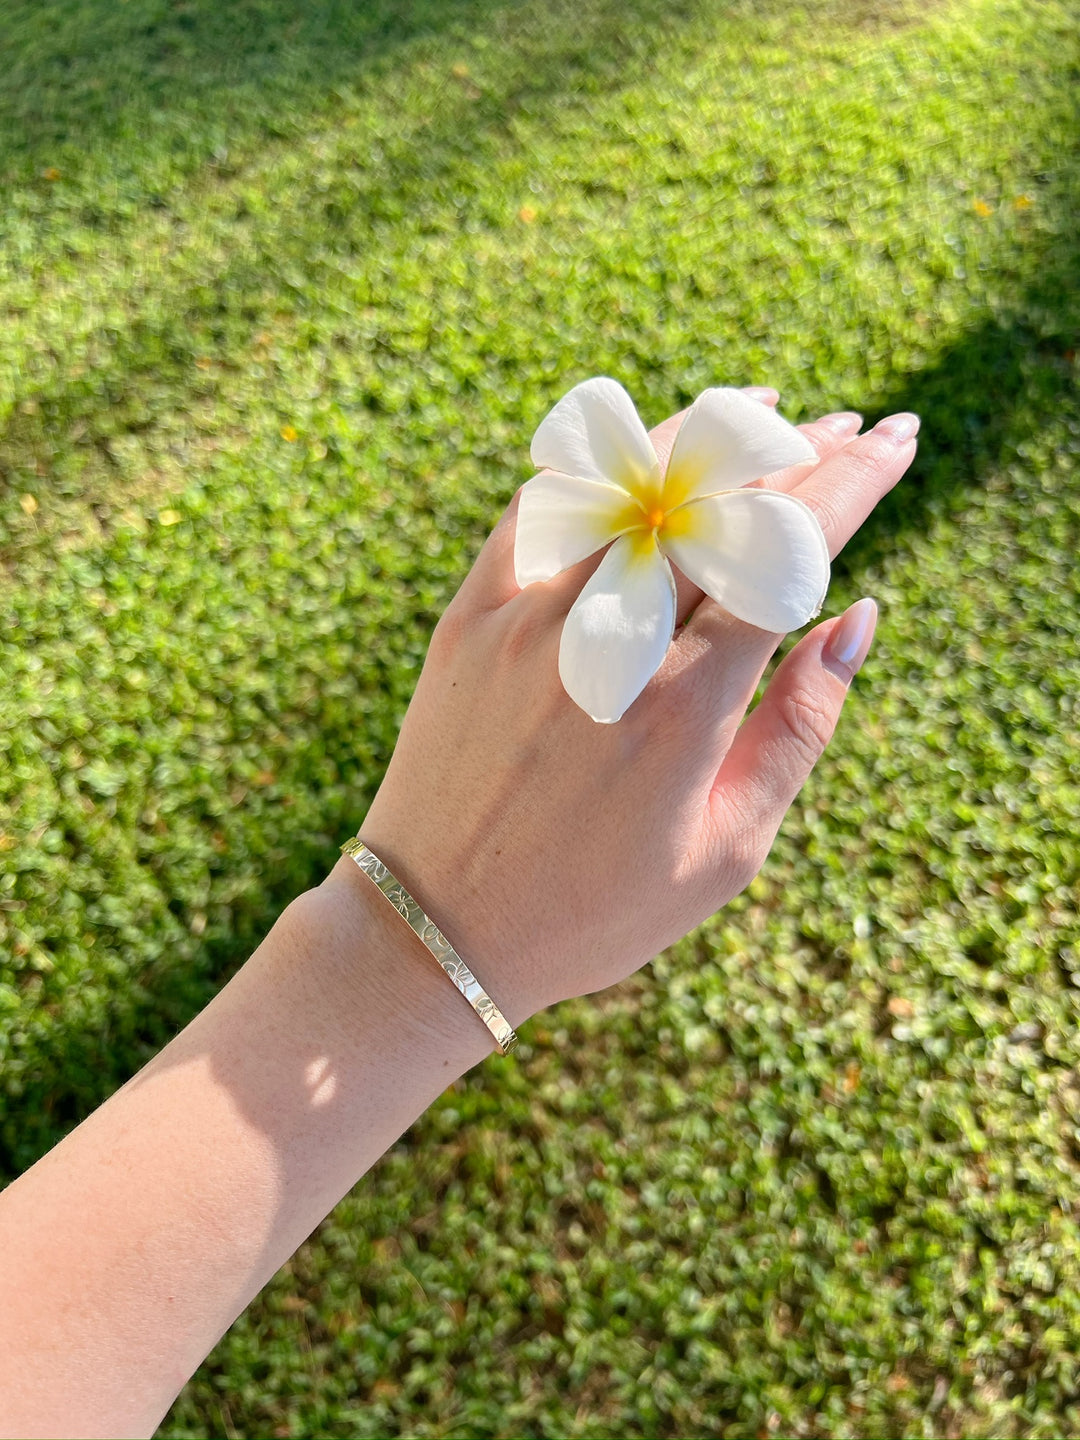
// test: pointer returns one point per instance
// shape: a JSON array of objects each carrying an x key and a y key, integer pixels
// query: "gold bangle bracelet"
[{"x": 436, "y": 942}]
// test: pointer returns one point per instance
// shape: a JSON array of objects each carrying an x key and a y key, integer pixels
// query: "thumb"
[{"x": 781, "y": 741}]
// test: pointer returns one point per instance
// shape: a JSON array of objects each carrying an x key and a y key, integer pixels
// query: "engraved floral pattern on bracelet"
[
  {"x": 370, "y": 866},
  {"x": 400, "y": 898},
  {"x": 435, "y": 940},
  {"x": 456, "y": 968}
]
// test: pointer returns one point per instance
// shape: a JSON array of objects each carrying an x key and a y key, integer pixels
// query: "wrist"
[
  {"x": 457, "y": 906},
  {"x": 378, "y": 960}
]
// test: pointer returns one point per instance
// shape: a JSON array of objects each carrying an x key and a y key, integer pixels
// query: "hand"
[{"x": 560, "y": 855}]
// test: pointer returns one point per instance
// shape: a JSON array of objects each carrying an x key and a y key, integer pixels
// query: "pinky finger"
[{"x": 783, "y": 738}]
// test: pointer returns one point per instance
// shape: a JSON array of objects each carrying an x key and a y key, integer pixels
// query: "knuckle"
[
  {"x": 807, "y": 722},
  {"x": 876, "y": 453},
  {"x": 448, "y": 635},
  {"x": 666, "y": 706},
  {"x": 823, "y": 438},
  {"x": 830, "y": 514},
  {"x": 527, "y": 625},
  {"x": 676, "y": 705},
  {"x": 749, "y": 849}
]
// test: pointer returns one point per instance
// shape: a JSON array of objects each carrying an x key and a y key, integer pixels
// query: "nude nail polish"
[
  {"x": 847, "y": 646},
  {"x": 843, "y": 422},
  {"x": 900, "y": 427}
]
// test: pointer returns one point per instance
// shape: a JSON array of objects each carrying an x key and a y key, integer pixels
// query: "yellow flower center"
[{"x": 660, "y": 522}]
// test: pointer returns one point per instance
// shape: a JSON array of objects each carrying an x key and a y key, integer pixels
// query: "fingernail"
[
  {"x": 765, "y": 393},
  {"x": 847, "y": 646},
  {"x": 900, "y": 427},
  {"x": 843, "y": 422}
]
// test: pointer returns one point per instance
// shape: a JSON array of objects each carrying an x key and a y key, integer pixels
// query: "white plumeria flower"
[{"x": 761, "y": 554}]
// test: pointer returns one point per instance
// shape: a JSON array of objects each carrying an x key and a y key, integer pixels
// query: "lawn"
[{"x": 284, "y": 290}]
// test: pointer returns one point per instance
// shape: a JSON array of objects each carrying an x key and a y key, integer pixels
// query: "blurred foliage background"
[{"x": 284, "y": 290}]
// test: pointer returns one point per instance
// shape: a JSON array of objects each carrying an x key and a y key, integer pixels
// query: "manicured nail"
[
  {"x": 843, "y": 422},
  {"x": 900, "y": 427},
  {"x": 765, "y": 393},
  {"x": 847, "y": 646}
]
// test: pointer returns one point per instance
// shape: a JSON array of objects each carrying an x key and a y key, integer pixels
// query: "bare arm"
[{"x": 134, "y": 1244}]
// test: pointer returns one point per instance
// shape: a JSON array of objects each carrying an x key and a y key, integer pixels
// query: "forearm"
[{"x": 135, "y": 1243}]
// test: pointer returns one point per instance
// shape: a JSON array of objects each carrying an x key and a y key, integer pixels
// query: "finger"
[
  {"x": 767, "y": 394},
  {"x": 491, "y": 582},
  {"x": 729, "y": 655},
  {"x": 843, "y": 491},
  {"x": 783, "y": 738},
  {"x": 828, "y": 436}
]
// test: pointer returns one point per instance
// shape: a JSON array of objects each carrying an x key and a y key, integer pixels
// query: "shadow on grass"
[
  {"x": 190, "y": 62},
  {"x": 83, "y": 73},
  {"x": 1003, "y": 380}
]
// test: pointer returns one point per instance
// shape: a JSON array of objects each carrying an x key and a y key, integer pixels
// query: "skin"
[{"x": 558, "y": 855}]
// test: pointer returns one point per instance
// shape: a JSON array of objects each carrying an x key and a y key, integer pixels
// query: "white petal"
[
  {"x": 761, "y": 554},
  {"x": 726, "y": 441},
  {"x": 595, "y": 432},
  {"x": 561, "y": 519},
  {"x": 619, "y": 628}
]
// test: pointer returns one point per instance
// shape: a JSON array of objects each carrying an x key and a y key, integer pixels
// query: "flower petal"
[
  {"x": 561, "y": 519},
  {"x": 761, "y": 554},
  {"x": 595, "y": 432},
  {"x": 619, "y": 628},
  {"x": 726, "y": 441}
]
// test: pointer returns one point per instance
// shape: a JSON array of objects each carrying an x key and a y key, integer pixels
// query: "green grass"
[{"x": 816, "y": 1172}]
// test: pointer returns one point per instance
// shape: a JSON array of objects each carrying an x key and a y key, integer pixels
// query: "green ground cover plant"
[{"x": 284, "y": 290}]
